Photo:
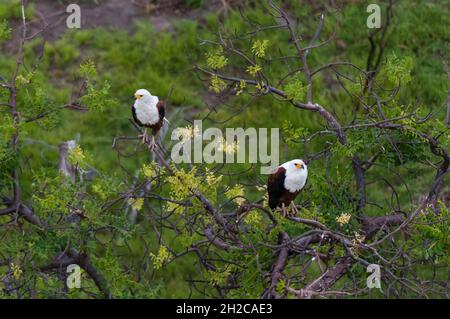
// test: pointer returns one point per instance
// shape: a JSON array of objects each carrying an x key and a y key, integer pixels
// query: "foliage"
[
  {"x": 163, "y": 249},
  {"x": 216, "y": 60},
  {"x": 5, "y": 31},
  {"x": 259, "y": 48},
  {"x": 162, "y": 257},
  {"x": 295, "y": 90},
  {"x": 217, "y": 84}
]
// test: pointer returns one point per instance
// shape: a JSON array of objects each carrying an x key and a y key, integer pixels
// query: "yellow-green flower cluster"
[
  {"x": 260, "y": 87},
  {"x": 240, "y": 87},
  {"x": 216, "y": 60},
  {"x": 182, "y": 183},
  {"x": 211, "y": 178},
  {"x": 236, "y": 193},
  {"x": 148, "y": 171},
  {"x": 253, "y": 218},
  {"x": 136, "y": 203},
  {"x": 172, "y": 207},
  {"x": 358, "y": 239},
  {"x": 259, "y": 48},
  {"x": 217, "y": 84},
  {"x": 253, "y": 69},
  {"x": 343, "y": 218},
  {"x": 23, "y": 80},
  {"x": 17, "y": 272},
  {"x": 76, "y": 156},
  {"x": 162, "y": 257}
]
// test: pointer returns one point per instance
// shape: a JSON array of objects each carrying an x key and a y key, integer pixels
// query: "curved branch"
[{"x": 330, "y": 119}]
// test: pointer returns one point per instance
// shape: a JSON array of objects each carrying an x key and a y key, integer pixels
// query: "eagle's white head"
[
  {"x": 295, "y": 166},
  {"x": 145, "y": 99},
  {"x": 143, "y": 94},
  {"x": 296, "y": 175}
]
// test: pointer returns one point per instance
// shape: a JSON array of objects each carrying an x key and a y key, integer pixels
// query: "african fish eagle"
[
  {"x": 285, "y": 183},
  {"x": 148, "y": 111}
]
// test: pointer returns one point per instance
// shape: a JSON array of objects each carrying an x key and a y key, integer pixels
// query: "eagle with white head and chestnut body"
[
  {"x": 148, "y": 111},
  {"x": 285, "y": 184}
]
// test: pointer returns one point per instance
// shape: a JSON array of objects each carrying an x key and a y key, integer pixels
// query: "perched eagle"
[
  {"x": 148, "y": 111},
  {"x": 285, "y": 183}
]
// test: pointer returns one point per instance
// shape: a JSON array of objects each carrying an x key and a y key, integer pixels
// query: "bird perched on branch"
[
  {"x": 285, "y": 184},
  {"x": 148, "y": 112}
]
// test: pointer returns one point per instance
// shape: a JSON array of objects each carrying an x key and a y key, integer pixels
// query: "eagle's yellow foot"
[
  {"x": 284, "y": 211},
  {"x": 152, "y": 144},
  {"x": 294, "y": 209},
  {"x": 144, "y": 137}
]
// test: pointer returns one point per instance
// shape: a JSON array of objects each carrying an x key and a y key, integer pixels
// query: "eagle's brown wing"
[
  {"x": 162, "y": 112},
  {"x": 136, "y": 120},
  {"x": 161, "y": 109},
  {"x": 275, "y": 187}
]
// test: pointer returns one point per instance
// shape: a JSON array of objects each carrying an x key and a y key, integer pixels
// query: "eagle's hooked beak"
[
  {"x": 298, "y": 165},
  {"x": 137, "y": 96}
]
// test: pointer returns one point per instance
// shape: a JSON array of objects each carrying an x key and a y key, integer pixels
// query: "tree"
[{"x": 81, "y": 215}]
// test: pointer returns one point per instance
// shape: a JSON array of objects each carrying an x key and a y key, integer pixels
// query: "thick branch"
[
  {"x": 278, "y": 267},
  {"x": 71, "y": 256},
  {"x": 331, "y": 120}
]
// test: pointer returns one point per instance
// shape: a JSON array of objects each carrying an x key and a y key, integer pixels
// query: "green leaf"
[
  {"x": 295, "y": 90},
  {"x": 5, "y": 31}
]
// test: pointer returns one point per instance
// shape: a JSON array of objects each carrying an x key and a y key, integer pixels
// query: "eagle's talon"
[
  {"x": 294, "y": 210},
  {"x": 144, "y": 137},
  {"x": 284, "y": 211},
  {"x": 152, "y": 144}
]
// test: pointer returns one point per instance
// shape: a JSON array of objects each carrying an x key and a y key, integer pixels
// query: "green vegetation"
[{"x": 84, "y": 84}]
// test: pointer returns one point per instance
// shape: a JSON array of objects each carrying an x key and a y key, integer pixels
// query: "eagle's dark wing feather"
[
  {"x": 161, "y": 109},
  {"x": 133, "y": 110},
  {"x": 275, "y": 187}
]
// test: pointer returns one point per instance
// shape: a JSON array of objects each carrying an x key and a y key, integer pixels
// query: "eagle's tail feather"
[{"x": 273, "y": 202}]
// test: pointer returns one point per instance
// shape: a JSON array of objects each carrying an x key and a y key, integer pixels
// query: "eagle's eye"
[
  {"x": 138, "y": 96},
  {"x": 298, "y": 165}
]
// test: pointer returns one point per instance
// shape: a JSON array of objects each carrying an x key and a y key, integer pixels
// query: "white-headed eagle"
[
  {"x": 148, "y": 111},
  {"x": 285, "y": 183}
]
